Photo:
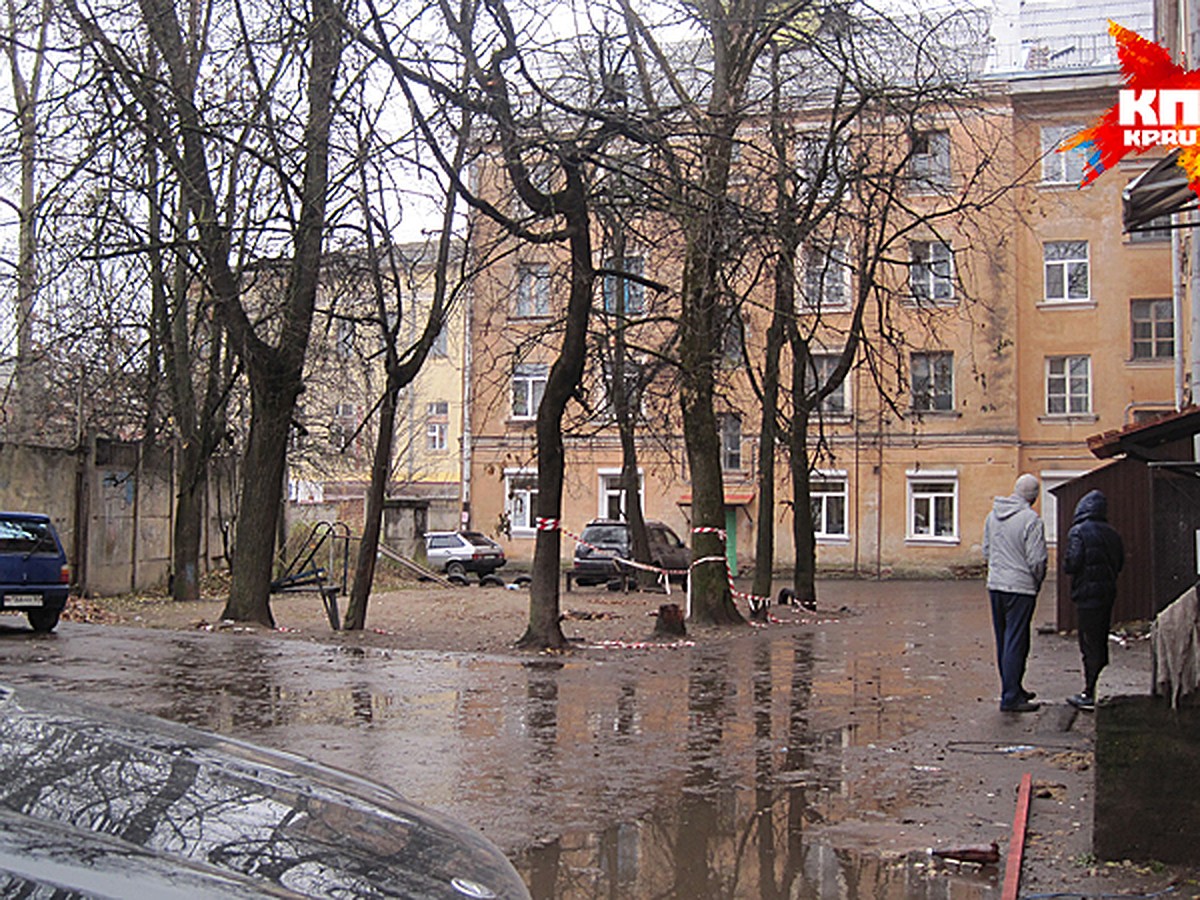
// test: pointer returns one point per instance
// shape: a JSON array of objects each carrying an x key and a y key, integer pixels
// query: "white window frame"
[
  {"x": 1062, "y": 267},
  {"x": 344, "y": 338},
  {"x": 1051, "y": 479},
  {"x": 927, "y": 500},
  {"x": 608, "y": 487},
  {"x": 435, "y": 436},
  {"x": 823, "y": 496},
  {"x": 929, "y": 170},
  {"x": 1061, "y": 168},
  {"x": 533, "y": 291},
  {"x": 810, "y": 147},
  {"x": 440, "y": 348},
  {"x": 1065, "y": 378},
  {"x": 930, "y": 358},
  {"x": 520, "y": 501},
  {"x": 635, "y": 291},
  {"x": 729, "y": 452},
  {"x": 822, "y": 365},
  {"x": 925, "y": 281},
  {"x": 528, "y": 386},
  {"x": 824, "y": 279}
]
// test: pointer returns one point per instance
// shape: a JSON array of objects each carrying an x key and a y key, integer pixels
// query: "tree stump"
[{"x": 670, "y": 621}]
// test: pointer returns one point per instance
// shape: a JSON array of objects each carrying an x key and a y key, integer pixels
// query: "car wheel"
[
  {"x": 457, "y": 580},
  {"x": 457, "y": 568},
  {"x": 43, "y": 620},
  {"x": 522, "y": 580},
  {"x": 491, "y": 580}
]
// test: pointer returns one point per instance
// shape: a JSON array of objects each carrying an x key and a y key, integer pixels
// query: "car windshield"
[
  {"x": 25, "y": 536},
  {"x": 604, "y": 534}
]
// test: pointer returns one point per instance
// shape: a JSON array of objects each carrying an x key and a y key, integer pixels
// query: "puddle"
[{"x": 729, "y": 770}]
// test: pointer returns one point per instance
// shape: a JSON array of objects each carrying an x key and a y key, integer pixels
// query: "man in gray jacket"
[{"x": 1014, "y": 547}]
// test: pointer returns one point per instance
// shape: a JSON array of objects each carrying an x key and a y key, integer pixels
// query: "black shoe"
[
  {"x": 1028, "y": 695},
  {"x": 1023, "y": 706},
  {"x": 1086, "y": 702}
]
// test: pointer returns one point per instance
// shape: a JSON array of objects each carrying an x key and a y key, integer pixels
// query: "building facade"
[{"x": 1026, "y": 328}]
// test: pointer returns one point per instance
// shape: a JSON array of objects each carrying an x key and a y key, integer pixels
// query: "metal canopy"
[{"x": 1161, "y": 190}]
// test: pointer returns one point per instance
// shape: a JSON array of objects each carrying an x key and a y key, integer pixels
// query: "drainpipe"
[
  {"x": 467, "y": 359},
  {"x": 1194, "y": 300},
  {"x": 1178, "y": 288}
]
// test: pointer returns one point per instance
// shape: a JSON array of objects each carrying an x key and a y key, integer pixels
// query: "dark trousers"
[
  {"x": 1011, "y": 616},
  {"x": 1093, "y": 643}
]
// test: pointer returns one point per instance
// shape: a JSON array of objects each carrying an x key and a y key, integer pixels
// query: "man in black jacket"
[{"x": 1094, "y": 556}]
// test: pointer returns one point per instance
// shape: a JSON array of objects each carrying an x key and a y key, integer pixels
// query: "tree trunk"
[
  {"x": 764, "y": 544},
  {"x": 804, "y": 578},
  {"x": 368, "y": 548},
  {"x": 189, "y": 525},
  {"x": 700, "y": 344},
  {"x": 262, "y": 493},
  {"x": 544, "y": 630}
]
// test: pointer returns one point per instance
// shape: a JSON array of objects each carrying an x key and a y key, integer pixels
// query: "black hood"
[{"x": 1093, "y": 505}]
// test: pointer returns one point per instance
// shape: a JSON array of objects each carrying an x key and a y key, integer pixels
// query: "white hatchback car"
[{"x": 460, "y": 552}]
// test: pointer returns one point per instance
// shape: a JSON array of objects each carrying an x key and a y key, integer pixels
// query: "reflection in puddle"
[
  {"x": 722, "y": 770},
  {"x": 735, "y": 816}
]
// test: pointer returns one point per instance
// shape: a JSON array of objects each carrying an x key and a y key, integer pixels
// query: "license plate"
[{"x": 23, "y": 600}]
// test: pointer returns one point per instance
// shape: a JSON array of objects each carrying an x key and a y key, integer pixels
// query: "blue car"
[{"x": 34, "y": 575}]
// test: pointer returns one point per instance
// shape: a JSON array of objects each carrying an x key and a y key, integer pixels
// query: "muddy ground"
[{"x": 924, "y": 759}]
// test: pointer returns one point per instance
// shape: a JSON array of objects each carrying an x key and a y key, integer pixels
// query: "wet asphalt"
[{"x": 810, "y": 759}]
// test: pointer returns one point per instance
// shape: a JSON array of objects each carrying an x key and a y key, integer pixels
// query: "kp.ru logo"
[
  {"x": 1150, "y": 118},
  {"x": 1159, "y": 107}
]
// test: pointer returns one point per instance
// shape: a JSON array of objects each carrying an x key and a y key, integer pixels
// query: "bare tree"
[{"x": 276, "y": 182}]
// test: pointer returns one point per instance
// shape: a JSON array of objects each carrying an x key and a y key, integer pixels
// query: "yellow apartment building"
[{"x": 335, "y": 429}]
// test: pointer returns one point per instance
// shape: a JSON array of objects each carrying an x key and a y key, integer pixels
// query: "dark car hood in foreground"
[{"x": 98, "y": 802}]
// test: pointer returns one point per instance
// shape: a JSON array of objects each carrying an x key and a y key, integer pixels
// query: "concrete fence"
[{"x": 112, "y": 503}]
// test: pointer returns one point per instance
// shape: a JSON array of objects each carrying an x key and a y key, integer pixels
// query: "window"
[
  {"x": 1152, "y": 325},
  {"x": 821, "y": 367},
  {"x": 733, "y": 338},
  {"x": 1068, "y": 385},
  {"x": 929, "y": 165},
  {"x": 826, "y": 279},
  {"x": 529, "y": 383},
  {"x": 612, "y": 497},
  {"x": 1066, "y": 266},
  {"x": 931, "y": 271},
  {"x": 633, "y": 374},
  {"x": 521, "y": 490},
  {"x": 344, "y": 339},
  {"x": 435, "y": 436},
  {"x": 437, "y": 419},
  {"x": 933, "y": 506},
  {"x": 932, "y": 382},
  {"x": 823, "y": 162},
  {"x": 827, "y": 495},
  {"x": 1156, "y": 230},
  {"x": 1061, "y": 168},
  {"x": 533, "y": 290},
  {"x": 439, "y": 349},
  {"x": 731, "y": 443},
  {"x": 630, "y": 296}
]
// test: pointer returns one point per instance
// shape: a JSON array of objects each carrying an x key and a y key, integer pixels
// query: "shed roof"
[{"x": 1142, "y": 438}]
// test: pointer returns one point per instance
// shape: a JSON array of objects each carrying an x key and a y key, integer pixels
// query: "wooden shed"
[{"x": 1153, "y": 490}]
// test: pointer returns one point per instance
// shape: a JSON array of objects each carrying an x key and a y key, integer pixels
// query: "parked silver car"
[{"x": 460, "y": 552}]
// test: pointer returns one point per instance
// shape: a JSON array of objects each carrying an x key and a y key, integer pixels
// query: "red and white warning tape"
[{"x": 755, "y": 601}]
